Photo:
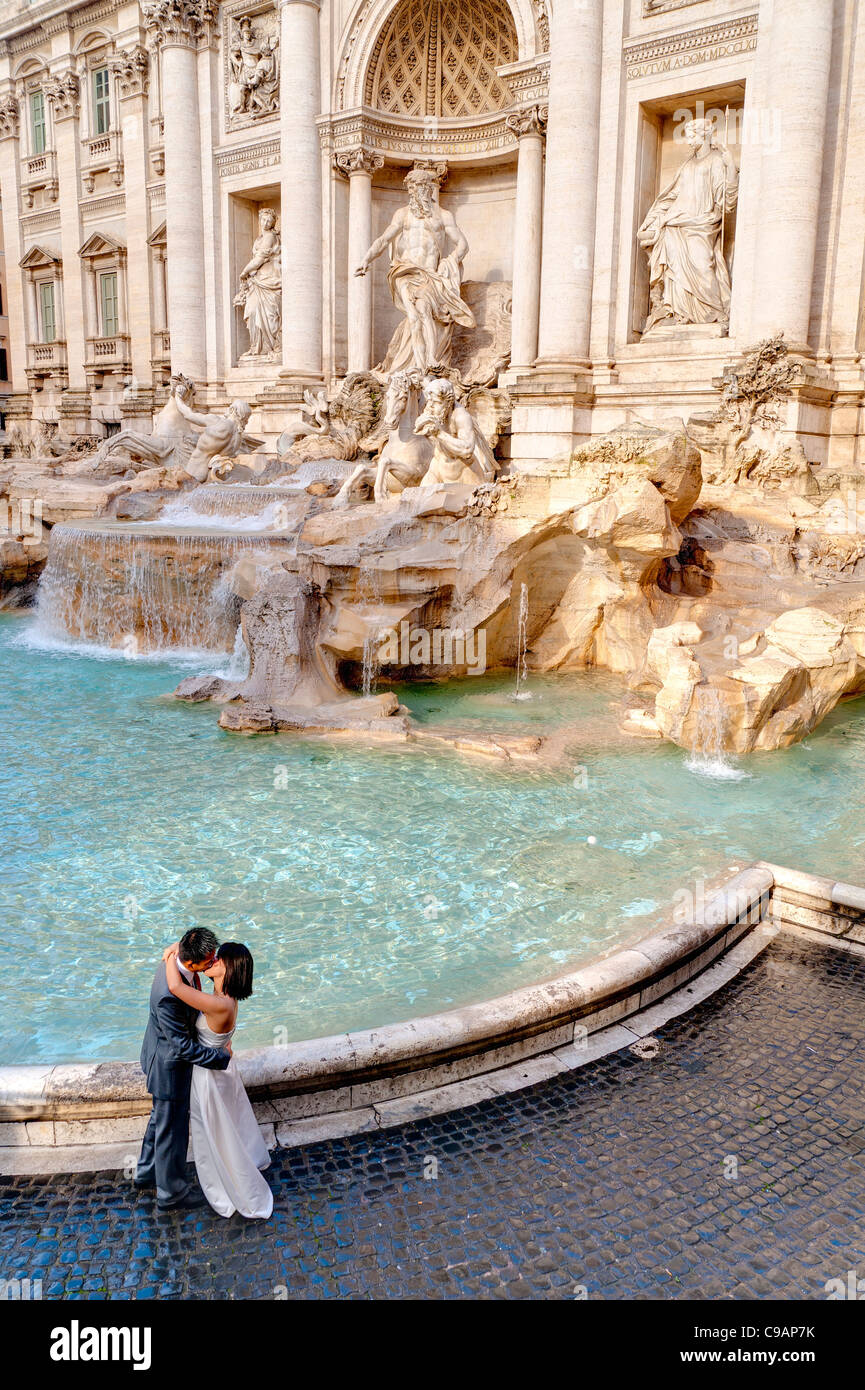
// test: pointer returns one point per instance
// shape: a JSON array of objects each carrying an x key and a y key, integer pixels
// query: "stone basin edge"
[{"x": 525, "y": 1022}]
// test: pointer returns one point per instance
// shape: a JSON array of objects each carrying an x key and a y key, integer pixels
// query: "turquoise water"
[{"x": 371, "y": 884}]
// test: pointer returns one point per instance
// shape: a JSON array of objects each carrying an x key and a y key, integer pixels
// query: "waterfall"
[
  {"x": 522, "y": 645},
  {"x": 138, "y": 589},
  {"x": 708, "y": 756},
  {"x": 236, "y": 507},
  {"x": 369, "y": 594}
]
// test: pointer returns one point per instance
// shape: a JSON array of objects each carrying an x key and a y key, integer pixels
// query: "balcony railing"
[
  {"x": 107, "y": 354},
  {"x": 101, "y": 154},
  {"x": 46, "y": 359},
  {"x": 39, "y": 171}
]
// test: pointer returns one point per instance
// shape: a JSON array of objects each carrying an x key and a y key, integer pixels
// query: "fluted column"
[
  {"x": 63, "y": 95},
  {"x": 175, "y": 27},
  {"x": 528, "y": 126},
  {"x": 300, "y": 101},
  {"x": 130, "y": 68},
  {"x": 800, "y": 52},
  {"x": 571, "y": 183},
  {"x": 359, "y": 166}
]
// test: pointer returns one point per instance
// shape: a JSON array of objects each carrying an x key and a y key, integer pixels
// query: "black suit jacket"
[{"x": 171, "y": 1048}]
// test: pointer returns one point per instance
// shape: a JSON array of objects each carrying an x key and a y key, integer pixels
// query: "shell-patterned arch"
[
  {"x": 361, "y": 41},
  {"x": 440, "y": 58}
]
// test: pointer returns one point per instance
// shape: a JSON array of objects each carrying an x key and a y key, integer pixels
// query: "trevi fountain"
[{"x": 434, "y": 482}]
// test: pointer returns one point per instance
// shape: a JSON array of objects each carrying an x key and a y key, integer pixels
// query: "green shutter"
[
  {"x": 108, "y": 296},
  {"x": 46, "y": 300},
  {"x": 37, "y": 121},
  {"x": 101, "y": 102}
]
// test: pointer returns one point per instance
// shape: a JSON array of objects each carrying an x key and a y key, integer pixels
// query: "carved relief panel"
[{"x": 251, "y": 58}]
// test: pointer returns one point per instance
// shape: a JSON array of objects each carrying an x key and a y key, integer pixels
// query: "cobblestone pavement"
[{"x": 612, "y": 1178}]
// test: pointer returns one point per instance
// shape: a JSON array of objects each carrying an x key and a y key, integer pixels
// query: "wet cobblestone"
[{"x": 731, "y": 1165}]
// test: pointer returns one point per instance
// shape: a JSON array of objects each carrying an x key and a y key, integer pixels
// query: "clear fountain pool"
[{"x": 372, "y": 884}]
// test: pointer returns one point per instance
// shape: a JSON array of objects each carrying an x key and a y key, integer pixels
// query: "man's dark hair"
[
  {"x": 237, "y": 983},
  {"x": 197, "y": 945}
]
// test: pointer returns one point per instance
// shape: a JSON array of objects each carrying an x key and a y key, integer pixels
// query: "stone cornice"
[
  {"x": 404, "y": 140},
  {"x": 242, "y": 159},
  {"x": 34, "y": 25},
  {"x": 653, "y": 7},
  {"x": 670, "y": 52}
]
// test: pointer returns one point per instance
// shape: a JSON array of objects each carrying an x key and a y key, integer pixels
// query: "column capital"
[
  {"x": 178, "y": 23},
  {"x": 357, "y": 161},
  {"x": 531, "y": 121},
  {"x": 313, "y": 4},
  {"x": 9, "y": 117},
  {"x": 131, "y": 69},
  {"x": 63, "y": 92}
]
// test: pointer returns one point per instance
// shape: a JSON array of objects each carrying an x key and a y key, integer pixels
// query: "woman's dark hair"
[
  {"x": 197, "y": 945},
  {"x": 237, "y": 960}
]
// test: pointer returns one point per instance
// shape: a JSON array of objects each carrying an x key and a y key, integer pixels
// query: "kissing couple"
[{"x": 196, "y": 1087}]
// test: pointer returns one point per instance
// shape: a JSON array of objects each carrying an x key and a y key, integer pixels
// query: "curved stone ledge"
[{"x": 101, "y": 1102}]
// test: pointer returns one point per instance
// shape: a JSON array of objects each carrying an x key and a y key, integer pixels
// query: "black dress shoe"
[
  {"x": 143, "y": 1183},
  {"x": 187, "y": 1203}
]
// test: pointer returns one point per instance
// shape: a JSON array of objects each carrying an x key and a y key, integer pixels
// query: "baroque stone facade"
[{"x": 190, "y": 186}]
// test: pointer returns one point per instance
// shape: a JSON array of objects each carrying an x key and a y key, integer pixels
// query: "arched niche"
[{"x": 370, "y": 21}]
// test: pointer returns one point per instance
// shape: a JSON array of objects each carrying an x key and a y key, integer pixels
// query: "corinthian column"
[
  {"x": 528, "y": 126},
  {"x": 300, "y": 102},
  {"x": 175, "y": 27},
  {"x": 130, "y": 69},
  {"x": 800, "y": 51},
  {"x": 63, "y": 94},
  {"x": 571, "y": 183},
  {"x": 20, "y": 332},
  {"x": 359, "y": 165}
]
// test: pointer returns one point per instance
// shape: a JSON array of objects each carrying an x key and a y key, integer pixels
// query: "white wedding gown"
[{"x": 226, "y": 1142}]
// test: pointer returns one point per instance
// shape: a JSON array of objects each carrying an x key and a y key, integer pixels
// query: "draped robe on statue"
[
  {"x": 688, "y": 275},
  {"x": 439, "y": 292}
]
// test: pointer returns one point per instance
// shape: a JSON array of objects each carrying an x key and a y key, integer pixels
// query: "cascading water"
[
  {"x": 238, "y": 507},
  {"x": 522, "y": 645},
  {"x": 139, "y": 588},
  {"x": 369, "y": 592},
  {"x": 708, "y": 757}
]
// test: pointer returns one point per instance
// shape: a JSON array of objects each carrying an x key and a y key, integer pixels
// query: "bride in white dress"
[{"x": 227, "y": 1146}]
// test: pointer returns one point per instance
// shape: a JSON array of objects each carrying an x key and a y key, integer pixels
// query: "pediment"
[
  {"x": 158, "y": 237},
  {"x": 38, "y": 258},
  {"x": 100, "y": 244}
]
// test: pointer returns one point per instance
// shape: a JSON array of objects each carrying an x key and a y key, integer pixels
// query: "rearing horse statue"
[{"x": 405, "y": 456}]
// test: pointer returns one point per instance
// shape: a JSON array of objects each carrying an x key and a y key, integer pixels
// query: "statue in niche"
[
  {"x": 260, "y": 293},
  {"x": 461, "y": 453},
  {"x": 427, "y": 250},
  {"x": 253, "y": 88},
  {"x": 689, "y": 281}
]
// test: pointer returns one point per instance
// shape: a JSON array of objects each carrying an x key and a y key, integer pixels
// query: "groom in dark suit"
[{"x": 169, "y": 1052}]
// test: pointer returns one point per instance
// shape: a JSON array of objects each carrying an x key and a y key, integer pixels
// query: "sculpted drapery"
[{"x": 689, "y": 281}]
